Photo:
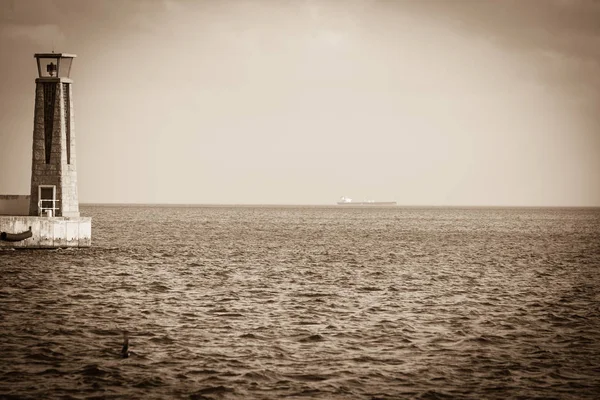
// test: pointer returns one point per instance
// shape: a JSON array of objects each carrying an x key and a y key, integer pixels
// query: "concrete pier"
[{"x": 47, "y": 232}]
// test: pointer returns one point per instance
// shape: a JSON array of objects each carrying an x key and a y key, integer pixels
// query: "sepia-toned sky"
[{"x": 434, "y": 102}]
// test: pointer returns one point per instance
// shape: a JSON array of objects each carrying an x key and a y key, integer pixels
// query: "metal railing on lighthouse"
[{"x": 47, "y": 207}]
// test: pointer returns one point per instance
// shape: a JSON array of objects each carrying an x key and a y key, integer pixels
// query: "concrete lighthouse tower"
[
  {"x": 49, "y": 216},
  {"x": 53, "y": 171}
]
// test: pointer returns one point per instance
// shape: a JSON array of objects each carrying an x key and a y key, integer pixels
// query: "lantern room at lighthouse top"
[{"x": 54, "y": 65}]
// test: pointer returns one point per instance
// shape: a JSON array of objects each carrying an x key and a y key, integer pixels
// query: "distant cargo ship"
[{"x": 345, "y": 201}]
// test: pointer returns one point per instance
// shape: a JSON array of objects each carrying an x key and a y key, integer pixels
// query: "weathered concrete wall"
[
  {"x": 48, "y": 232},
  {"x": 14, "y": 204}
]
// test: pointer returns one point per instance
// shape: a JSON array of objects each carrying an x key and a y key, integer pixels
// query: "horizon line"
[{"x": 134, "y": 204}]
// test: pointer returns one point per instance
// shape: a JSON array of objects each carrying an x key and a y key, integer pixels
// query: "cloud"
[
  {"x": 173, "y": 6},
  {"x": 43, "y": 35},
  {"x": 570, "y": 27}
]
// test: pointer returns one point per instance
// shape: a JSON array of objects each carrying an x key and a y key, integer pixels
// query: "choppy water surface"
[{"x": 267, "y": 302}]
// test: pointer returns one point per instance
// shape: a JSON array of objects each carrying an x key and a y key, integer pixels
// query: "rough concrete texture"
[{"x": 48, "y": 232}]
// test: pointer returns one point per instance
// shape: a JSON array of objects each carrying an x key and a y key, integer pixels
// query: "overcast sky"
[{"x": 303, "y": 101}]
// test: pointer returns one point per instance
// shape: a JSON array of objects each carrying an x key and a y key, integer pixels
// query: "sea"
[{"x": 271, "y": 302}]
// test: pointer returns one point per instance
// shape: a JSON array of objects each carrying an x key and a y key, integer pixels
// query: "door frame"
[{"x": 54, "y": 207}]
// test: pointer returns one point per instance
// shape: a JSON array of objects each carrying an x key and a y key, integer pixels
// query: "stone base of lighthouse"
[{"x": 46, "y": 232}]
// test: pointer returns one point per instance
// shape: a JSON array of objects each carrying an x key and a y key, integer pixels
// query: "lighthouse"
[
  {"x": 53, "y": 171},
  {"x": 49, "y": 216}
]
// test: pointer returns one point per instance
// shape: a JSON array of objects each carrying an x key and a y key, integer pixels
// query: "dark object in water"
[
  {"x": 16, "y": 237},
  {"x": 125, "y": 349}
]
